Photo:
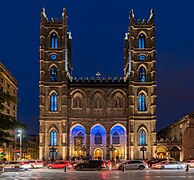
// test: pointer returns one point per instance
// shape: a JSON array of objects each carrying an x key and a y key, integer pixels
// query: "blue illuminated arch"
[
  {"x": 54, "y": 40},
  {"x": 141, "y": 41},
  {"x": 142, "y": 74},
  {"x": 53, "y": 102},
  {"x": 53, "y": 138},
  {"x": 98, "y": 134},
  {"x": 142, "y": 137},
  {"x": 53, "y": 73},
  {"x": 142, "y": 102}
]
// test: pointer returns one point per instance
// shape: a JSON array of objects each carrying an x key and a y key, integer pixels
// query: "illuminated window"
[
  {"x": 98, "y": 138},
  {"x": 53, "y": 74},
  {"x": 141, "y": 41},
  {"x": 115, "y": 138},
  {"x": 141, "y": 102},
  {"x": 53, "y": 102},
  {"x": 54, "y": 41},
  {"x": 142, "y": 138},
  {"x": 53, "y": 138},
  {"x": 142, "y": 74}
]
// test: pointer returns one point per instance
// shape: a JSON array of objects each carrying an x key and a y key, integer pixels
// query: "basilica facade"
[{"x": 104, "y": 118}]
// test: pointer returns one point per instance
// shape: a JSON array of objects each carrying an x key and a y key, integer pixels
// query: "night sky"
[{"x": 98, "y": 29}]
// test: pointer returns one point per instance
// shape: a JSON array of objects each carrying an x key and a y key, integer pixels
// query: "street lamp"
[
  {"x": 143, "y": 149},
  {"x": 112, "y": 149},
  {"x": 20, "y": 135},
  {"x": 84, "y": 149}
]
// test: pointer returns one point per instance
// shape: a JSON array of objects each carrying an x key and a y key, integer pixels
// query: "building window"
[
  {"x": 98, "y": 138},
  {"x": 142, "y": 74},
  {"x": 141, "y": 41},
  {"x": 53, "y": 74},
  {"x": 53, "y": 138},
  {"x": 141, "y": 102},
  {"x": 115, "y": 138},
  {"x": 54, "y": 40},
  {"x": 53, "y": 102},
  {"x": 80, "y": 134},
  {"x": 142, "y": 138}
]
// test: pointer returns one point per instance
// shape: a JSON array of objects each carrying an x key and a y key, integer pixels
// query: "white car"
[
  {"x": 16, "y": 165},
  {"x": 169, "y": 165},
  {"x": 36, "y": 163}
]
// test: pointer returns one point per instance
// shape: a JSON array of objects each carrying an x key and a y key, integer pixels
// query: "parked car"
[
  {"x": 132, "y": 164},
  {"x": 36, "y": 163},
  {"x": 154, "y": 161},
  {"x": 59, "y": 164},
  {"x": 16, "y": 165},
  {"x": 190, "y": 163},
  {"x": 90, "y": 164},
  {"x": 169, "y": 165}
]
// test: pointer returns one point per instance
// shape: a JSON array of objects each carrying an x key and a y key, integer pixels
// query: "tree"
[{"x": 7, "y": 122}]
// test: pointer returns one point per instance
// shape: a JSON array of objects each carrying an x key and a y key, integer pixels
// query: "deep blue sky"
[{"x": 98, "y": 29}]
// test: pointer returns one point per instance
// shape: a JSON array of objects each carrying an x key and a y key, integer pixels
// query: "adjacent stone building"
[
  {"x": 98, "y": 117},
  {"x": 9, "y": 85},
  {"x": 176, "y": 140}
]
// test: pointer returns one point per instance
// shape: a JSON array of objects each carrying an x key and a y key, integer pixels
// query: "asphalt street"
[{"x": 59, "y": 174}]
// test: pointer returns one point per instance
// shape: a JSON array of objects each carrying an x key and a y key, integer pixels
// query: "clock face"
[
  {"x": 53, "y": 56},
  {"x": 142, "y": 57}
]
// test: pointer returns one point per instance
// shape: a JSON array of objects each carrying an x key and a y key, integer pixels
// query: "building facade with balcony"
[
  {"x": 102, "y": 118},
  {"x": 9, "y": 85}
]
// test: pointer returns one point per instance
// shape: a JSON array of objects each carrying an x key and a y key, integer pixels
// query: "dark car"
[{"x": 91, "y": 164}]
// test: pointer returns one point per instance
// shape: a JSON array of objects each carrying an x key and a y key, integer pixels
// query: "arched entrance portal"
[
  {"x": 175, "y": 153},
  {"x": 161, "y": 152},
  {"x": 118, "y": 142},
  {"x": 98, "y": 154},
  {"x": 77, "y": 140},
  {"x": 98, "y": 141}
]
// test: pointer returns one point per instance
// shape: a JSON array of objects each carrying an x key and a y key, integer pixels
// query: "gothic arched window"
[
  {"x": 142, "y": 137},
  {"x": 54, "y": 40},
  {"x": 115, "y": 138},
  {"x": 53, "y": 102},
  {"x": 141, "y": 41},
  {"x": 142, "y": 74},
  {"x": 53, "y": 73},
  {"x": 80, "y": 134},
  {"x": 53, "y": 138},
  {"x": 98, "y": 138},
  {"x": 142, "y": 102}
]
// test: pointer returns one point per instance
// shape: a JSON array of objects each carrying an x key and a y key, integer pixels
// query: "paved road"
[{"x": 59, "y": 174}]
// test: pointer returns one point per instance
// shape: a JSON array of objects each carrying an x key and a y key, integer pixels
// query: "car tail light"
[{"x": 22, "y": 163}]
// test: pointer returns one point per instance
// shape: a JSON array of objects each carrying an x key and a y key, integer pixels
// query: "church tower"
[
  {"x": 140, "y": 72},
  {"x": 55, "y": 70}
]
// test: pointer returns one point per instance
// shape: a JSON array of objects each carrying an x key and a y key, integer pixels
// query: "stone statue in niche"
[
  {"x": 77, "y": 103},
  {"x": 98, "y": 103},
  {"x": 118, "y": 104}
]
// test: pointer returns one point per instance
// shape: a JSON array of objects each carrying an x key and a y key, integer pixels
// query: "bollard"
[
  {"x": 123, "y": 167},
  {"x": 187, "y": 168},
  {"x": 65, "y": 168}
]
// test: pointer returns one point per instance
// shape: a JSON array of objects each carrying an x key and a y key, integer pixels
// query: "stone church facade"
[{"x": 101, "y": 118}]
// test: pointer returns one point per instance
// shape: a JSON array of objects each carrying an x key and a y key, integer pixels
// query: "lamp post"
[
  {"x": 84, "y": 149},
  {"x": 20, "y": 135},
  {"x": 112, "y": 148},
  {"x": 143, "y": 149}
]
